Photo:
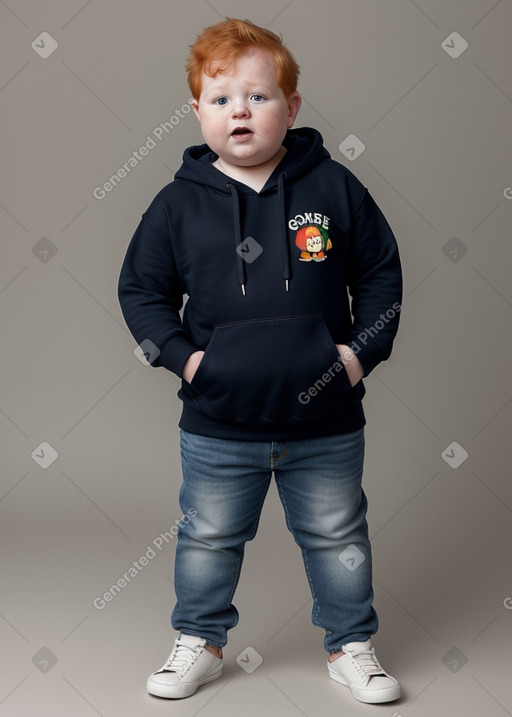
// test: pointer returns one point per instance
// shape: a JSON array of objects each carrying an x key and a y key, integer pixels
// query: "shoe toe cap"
[
  {"x": 164, "y": 679},
  {"x": 382, "y": 683},
  {"x": 379, "y": 689}
]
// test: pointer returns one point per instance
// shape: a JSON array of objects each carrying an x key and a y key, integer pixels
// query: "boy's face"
[
  {"x": 314, "y": 244},
  {"x": 247, "y": 97}
]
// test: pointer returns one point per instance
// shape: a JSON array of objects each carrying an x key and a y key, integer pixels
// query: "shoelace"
[
  {"x": 366, "y": 664},
  {"x": 181, "y": 659}
]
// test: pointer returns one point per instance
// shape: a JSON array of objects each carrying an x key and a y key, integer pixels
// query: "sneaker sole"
[
  {"x": 389, "y": 694},
  {"x": 178, "y": 692}
]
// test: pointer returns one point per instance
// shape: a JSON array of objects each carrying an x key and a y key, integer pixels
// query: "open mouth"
[{"x": 242, "y": 133}]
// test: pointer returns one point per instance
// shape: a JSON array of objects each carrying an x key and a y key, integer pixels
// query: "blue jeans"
[{"x": 319, "y": 484}]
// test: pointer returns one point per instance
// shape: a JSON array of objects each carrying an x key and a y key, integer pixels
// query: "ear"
[
  {"x": 195, "y": 106},
  {"x": 294, "y": 102}
]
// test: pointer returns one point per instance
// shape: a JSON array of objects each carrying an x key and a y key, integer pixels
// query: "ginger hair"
[{"x": 219, "y": 46}]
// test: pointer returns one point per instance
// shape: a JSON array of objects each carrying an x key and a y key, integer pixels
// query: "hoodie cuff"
[
  {"x": 370, "y": 354},
  {"x": 174, "y": 355}
]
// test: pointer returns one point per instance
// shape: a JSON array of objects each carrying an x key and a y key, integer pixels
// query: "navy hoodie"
[{"x": 274, "y": 280}]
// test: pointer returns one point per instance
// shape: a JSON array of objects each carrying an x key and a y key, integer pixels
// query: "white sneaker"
[
  {"x": 189, "y": 666},
  {"x": 360, "y": 670}
]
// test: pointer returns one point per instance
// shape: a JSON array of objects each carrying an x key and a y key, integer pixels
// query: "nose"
[{"x": 240, "y": 108}]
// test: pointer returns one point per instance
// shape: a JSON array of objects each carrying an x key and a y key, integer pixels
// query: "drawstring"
[
  {"x": 286, "y": 248},
  {"x": 240, "y": 263}
]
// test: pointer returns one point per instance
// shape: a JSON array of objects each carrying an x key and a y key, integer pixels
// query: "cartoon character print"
[{"x": 313, "y": 242}]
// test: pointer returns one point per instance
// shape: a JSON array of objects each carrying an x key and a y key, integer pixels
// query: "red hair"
[{"x": 223, "y": 43}]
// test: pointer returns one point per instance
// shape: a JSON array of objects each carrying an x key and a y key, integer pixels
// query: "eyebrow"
[{"x": 221, "y": 88}]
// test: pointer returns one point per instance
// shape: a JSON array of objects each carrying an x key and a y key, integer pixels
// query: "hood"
[{"x": 305, "y": 150}]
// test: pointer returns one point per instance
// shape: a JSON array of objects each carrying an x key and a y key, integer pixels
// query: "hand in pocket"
[
  {"x": 352, "y": 364},
  {"x": 191, "y": 365}
]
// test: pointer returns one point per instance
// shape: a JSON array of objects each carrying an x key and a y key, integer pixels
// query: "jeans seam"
[
  {"x": 234, "y": 585},
  {"x": 316, "y": 607},
  {"x": 283, "y": 454},
  {"x": 252, "y": 534}
]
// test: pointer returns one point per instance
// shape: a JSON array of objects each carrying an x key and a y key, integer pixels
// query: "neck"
[{"x": 255, "y": 176}]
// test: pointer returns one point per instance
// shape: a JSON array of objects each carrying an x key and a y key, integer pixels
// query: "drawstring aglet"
[
  {"x": 243, "y": 289},
  {"x": 286, "y": 284}
]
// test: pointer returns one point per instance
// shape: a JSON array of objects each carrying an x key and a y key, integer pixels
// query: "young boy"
[{"x": 268, "y": 236}]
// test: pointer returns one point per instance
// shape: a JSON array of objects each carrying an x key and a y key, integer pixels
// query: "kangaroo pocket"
[{"x": 273, "y": 370}]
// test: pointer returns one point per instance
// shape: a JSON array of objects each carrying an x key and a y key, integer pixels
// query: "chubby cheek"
[
  {"x": 213, "y": 132},
  {"x": 275, "y": 127},
  {"x": 268, "y": 134}
]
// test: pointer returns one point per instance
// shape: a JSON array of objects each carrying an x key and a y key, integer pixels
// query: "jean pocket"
[{"x": 279, "y": 370}]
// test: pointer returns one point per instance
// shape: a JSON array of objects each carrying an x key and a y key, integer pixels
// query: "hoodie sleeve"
[
  {"x": 151, "y": 296},
  {"x": 375, "y": 284}
]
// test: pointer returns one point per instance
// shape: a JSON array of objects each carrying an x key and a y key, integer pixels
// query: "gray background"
[{"x": 437, "y": 160}]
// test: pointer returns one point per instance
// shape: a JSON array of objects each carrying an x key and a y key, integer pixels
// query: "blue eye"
[
  {"x": 221, "y": 101},
  {"x": 259, "y": 98}
]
